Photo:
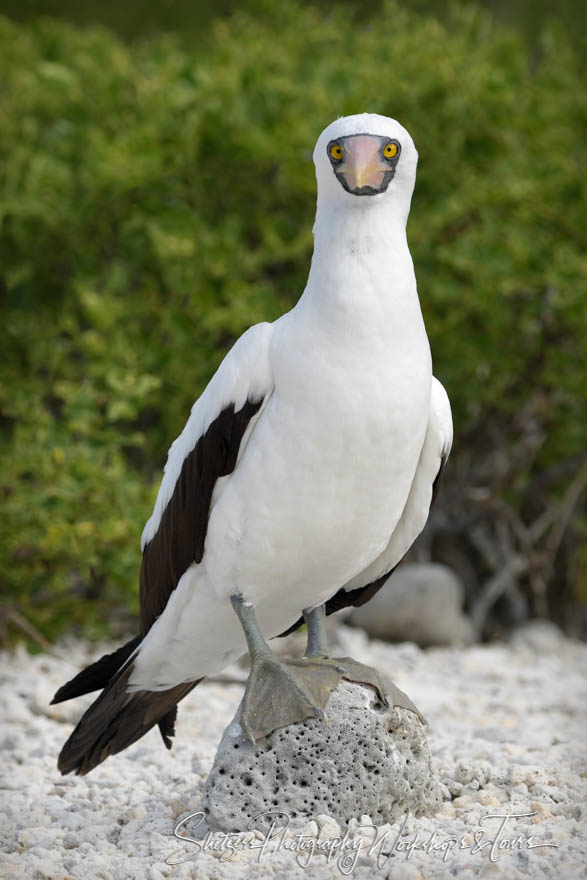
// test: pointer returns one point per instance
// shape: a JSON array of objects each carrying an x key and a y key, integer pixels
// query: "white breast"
[{"x": 320, "y": 489}]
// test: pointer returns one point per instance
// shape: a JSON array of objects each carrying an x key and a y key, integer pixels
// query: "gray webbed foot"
[
  {"x": 389, "y": 694},
  {"x": 281, "y": 692}
]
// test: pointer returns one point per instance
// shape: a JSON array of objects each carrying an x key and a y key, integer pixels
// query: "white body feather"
[{"x": 334, "y": 476}]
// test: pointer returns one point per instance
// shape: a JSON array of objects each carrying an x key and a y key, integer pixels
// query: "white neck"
[{"x": 362, "y": 278}]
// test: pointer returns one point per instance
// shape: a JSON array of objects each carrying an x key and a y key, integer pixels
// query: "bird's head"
[{"x": 366, "y": 158}]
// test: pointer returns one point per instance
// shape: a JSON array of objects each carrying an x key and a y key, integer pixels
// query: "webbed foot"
[
  {"x": 281, "y": 692},
  {"x": 389, "y": 694}
]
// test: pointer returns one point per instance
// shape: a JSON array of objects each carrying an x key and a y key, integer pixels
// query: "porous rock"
[
  {"x": 418, "y": 603},
  {"x": 366, "y": 759}
]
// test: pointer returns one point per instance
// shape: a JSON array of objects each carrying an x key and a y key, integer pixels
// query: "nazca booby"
[{"x": 304, "y": 473}]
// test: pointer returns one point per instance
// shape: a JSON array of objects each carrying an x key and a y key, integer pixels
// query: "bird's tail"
[{"x": 117, "y": 718}]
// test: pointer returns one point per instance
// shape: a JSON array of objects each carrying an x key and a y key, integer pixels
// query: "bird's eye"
[
  {"x": 336, "y": 152},
  {"x": 390, "y": 150}
]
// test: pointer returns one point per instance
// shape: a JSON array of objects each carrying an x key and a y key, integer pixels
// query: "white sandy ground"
[{"x": 507, "y": 734}]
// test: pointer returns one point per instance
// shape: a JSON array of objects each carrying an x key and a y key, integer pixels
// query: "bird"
[{"x": 304, "y": 473}]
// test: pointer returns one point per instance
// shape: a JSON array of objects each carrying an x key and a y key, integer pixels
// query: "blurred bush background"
[{"x": 157, "y": 197}]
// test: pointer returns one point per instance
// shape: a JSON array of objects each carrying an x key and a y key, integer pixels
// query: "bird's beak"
[
  {"x": 363, "y": 171},
  {"x": 362, "y": 165}
]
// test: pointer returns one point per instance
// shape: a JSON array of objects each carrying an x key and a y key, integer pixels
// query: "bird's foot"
[
  {"x": 281, "y": 692},
  {"x": 389, "y": 694}
]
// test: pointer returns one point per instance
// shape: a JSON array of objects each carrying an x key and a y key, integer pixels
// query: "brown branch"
[
  {"x": 565, "y": 511},
  {"x": 14, "y": 616},
  {"x": 494, "y": 588}
]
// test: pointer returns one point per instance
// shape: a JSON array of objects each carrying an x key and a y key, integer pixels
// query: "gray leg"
[
  {"x": 255, "y": 640},
  {"x": 352, "y": 670},
  {"x": 317, "y": 641},
  {"x": 280, "y": 692}
]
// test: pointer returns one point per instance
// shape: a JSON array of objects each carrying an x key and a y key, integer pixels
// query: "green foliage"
[{"x": 156, "y": 201}]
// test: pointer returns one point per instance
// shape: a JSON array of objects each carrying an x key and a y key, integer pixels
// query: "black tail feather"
[
  {"x": 167, "y": 726},
  {"x": 117, "y": 719},
  {"x": 97, "y": 675}
]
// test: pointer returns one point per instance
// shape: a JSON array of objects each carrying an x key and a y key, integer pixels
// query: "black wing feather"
[{"x": 179, "y": 540}]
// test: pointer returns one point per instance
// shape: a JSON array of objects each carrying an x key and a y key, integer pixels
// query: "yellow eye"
[
  {"x": 390, "y": 150},
  {"x": 336, "y": 152}
]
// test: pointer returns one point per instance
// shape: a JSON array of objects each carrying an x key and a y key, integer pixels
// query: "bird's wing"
[
  {"x": 423, "y": 492},
  {"x": 208, "y": 448}
]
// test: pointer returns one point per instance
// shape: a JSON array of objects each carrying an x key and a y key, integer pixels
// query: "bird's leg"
[
  {"x": 317, "y": 650},
  {"x": 280, "y": 692},
  {"x": 317, "y": 645},
  {"x": 352, "y": 670}
]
